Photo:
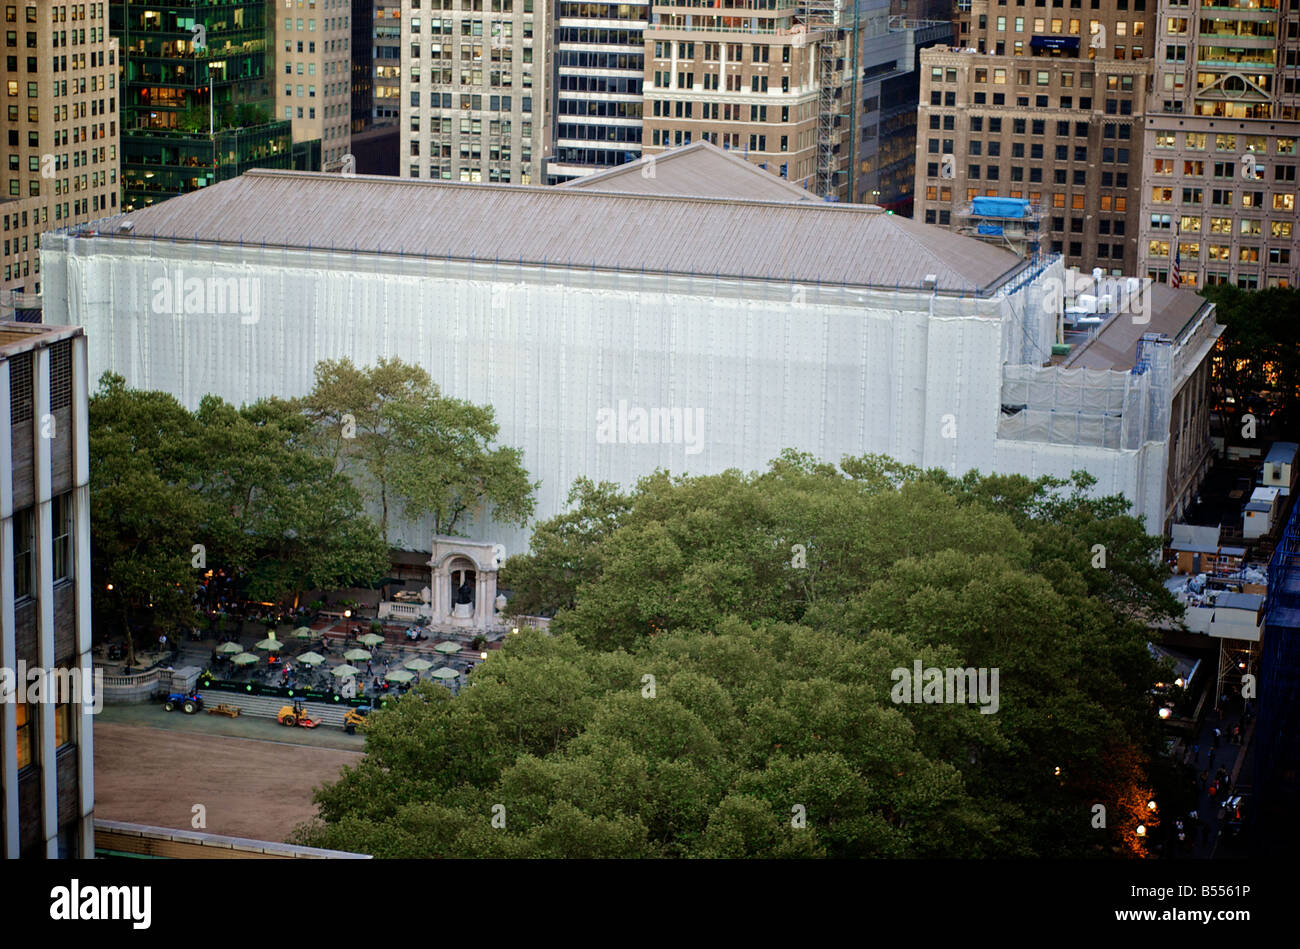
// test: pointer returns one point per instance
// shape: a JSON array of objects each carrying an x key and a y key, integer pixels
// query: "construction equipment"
[
  {"x": 189, "y": 703},
  {"x": 230, "y": 711},
  {"x": 296, "y": 715},
  {"x": 356, "y": 718}
]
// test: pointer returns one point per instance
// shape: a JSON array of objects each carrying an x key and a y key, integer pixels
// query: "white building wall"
[{"x": 832, "y": 372}]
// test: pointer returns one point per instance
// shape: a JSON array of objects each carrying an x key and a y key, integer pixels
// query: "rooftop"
[
  {"x": 783, "y": 240},
  {"x": 18, "y": 338},
  {"x": 1282, "y": 453},
  {"x": 700, "y": 169},
  {"x": 1168, "y": 312}
]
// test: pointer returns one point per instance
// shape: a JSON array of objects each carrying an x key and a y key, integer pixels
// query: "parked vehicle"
[
  {"x": 296, "y": 715},
  {"x": 356, "y": 718},
  {"x": 189, "y": 704}
]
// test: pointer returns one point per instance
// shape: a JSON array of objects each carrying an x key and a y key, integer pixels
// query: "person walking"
[
  {"x": 1217, "y": 734},
  {"x": 1205, "y": 776}
]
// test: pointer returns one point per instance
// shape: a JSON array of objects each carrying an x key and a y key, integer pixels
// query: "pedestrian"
[
  {"x": 1196, "y": 751},
  {"x": 369, "y": 671},
  {"x": 1236, "y": 734},
  {"x": 1205, "y": 776},
  {"x": 1217, "y": 734},
  {"x": 1214, "y": 789}
]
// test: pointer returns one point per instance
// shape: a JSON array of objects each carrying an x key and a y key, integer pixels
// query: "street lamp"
[
  {"x": 1141, "y": 830},
  {"x": 347, "y": 614}
]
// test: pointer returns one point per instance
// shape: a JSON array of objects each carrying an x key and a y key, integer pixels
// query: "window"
[
  {"x": 61, "y": 519},
  {"x": 24, "y": 524},
  {"x": 26, "y": 736}
]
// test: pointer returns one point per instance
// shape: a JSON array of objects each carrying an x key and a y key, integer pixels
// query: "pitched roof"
[
  {"x": 699, "y": 169},
  {"x": 803, "y": 242},
  {"x": 1167, "y": 312}
]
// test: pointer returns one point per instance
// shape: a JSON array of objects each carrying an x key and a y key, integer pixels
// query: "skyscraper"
[
  {"x": 475, "y": 89},
  {"x": 60, "y": 128},
  {"x": 1044, "y": 104},
  {"x": 197, "y": 100},
  {"x": 1219, "y": 145},
  {"x": 313, "y": 70},
  {"x": 599, "y": 69}
]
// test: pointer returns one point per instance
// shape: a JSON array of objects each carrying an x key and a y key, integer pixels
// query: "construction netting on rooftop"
[{"x": 1098, "y": 407}]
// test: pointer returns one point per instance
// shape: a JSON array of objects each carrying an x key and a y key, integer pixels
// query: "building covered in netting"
[{"x": 745, "y": 325}]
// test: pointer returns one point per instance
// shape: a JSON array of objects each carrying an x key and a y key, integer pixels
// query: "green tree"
[
  {"x": 390, "y": 429},
  {"x": 144, "y": 513}
]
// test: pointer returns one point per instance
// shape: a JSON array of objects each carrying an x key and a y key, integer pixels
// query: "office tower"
[
  {"x": 599, "y": 69},
  {"x": 47, "y": 791},
  {"x": 60, "y": 129},
  {"x": 197, "y": 98},
  {"x": 1044, "y": 103},
  {"x": 387, "y": 62},
  {"x": 474, "y": 89},
  {"x": 795, "y": 85},
  {"x": 313, "y": 68},
  {"x": 1219, "y": 156}
]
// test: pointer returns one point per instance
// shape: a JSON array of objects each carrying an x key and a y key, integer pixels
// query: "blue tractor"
[{"x": 187, "y": 703}]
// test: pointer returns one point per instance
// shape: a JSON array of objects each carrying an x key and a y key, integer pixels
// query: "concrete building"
[
  {"x": 765, "y": 320},
  {"x": 60, "y": 128},
  {"x": 475, "y": 90},
  {"x": 313, "y": 66},
  {"x": 1219, "y": 145},
  {"x": 1044, "y": 104},
  {"x": 599, "y": 68},
  {"x": 47, "y": 790},
  {"x": 744, "y": 76}
]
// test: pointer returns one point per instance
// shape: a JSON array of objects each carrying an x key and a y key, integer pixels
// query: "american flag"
[{"x": 1175, "y": 274}]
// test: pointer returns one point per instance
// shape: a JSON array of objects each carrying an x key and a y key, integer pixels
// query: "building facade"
[
  {"x": 744, "y": 75},
  {"x": 386, "y": 59},
  {"x": 47, "y": 790},
  {"x": 60, "y": 127},
  {"x": 829, "y": 328},
  {"x": 474, "y": 89},
  {"x": 1044, "y": 104},
  {"x": 1219, "y": 145},
  {"x": 198, "y": 105},
  {"x": 599, "y": 70},
  {"x": 312, "y": 69}
]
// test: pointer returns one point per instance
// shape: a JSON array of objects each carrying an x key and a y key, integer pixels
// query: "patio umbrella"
[
  {"x": 418, "y": 664},
  {"x": 444, "y": 673},
  {"x": 447, "y": 648},
  {"x": 311, "y": 659},
  {"x": 371, "y": 639},
  {"x": 227, "y": 649},
  {"x": 356, "y": 655},
  {"x": 271, "y": 644},
  {"x": 303, "y": 632},
  {"x": 245, "y": 659},
  {"x": 342, "y": 672},
  {"x": 400, "y": 675}
]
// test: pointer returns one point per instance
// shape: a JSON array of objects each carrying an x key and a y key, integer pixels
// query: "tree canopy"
[
  {"x": 175, "y": 493},
  {"x": 390, "y": 429},
  {"x": 1259, "y": 351},
  {"x": 719, "y": 682}
]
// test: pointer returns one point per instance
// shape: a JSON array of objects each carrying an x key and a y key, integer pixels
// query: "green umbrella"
[
  {"x": 444, "y": 673},
  {"x": 356, "y": 655},
  {"x": 400, "y": 675},
  {"x": 271, "y": 644},
  {"x": 227, "y": 648},
  {"x": 371, "y": 639},
  {"x": 244, "y": 659},
  {"x": 340, "y": 672},
  {"x": 303, "y": 632},
  {"x": 311, "y": 659},
  {"x": 419, "y": 665},
  {"x": 447, "y": 648}
]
